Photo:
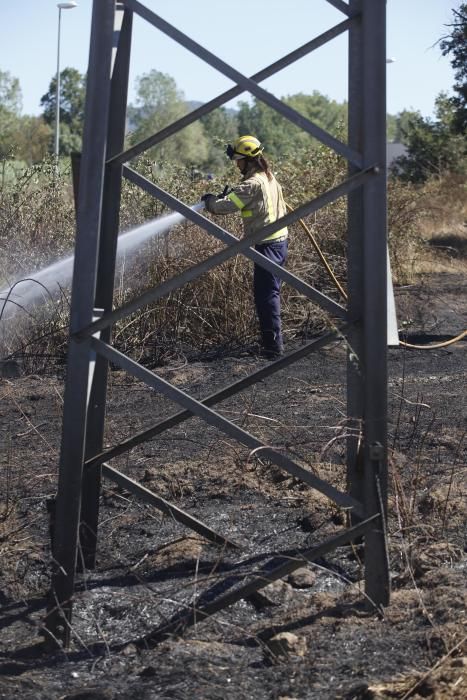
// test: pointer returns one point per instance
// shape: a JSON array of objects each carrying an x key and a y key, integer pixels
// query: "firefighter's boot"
[{"x": 273, "y": 346}]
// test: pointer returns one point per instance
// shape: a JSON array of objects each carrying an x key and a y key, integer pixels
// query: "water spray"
[{"x": 46, "y": 283}]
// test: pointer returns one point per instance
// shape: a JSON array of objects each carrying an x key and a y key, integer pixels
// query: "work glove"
[{"x": 207, "y": 199}]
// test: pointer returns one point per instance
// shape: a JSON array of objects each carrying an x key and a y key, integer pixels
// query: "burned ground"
[{"x": 310, "y": 635}]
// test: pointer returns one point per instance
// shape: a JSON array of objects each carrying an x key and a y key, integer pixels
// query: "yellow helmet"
[{"x": 244, "y": 147}]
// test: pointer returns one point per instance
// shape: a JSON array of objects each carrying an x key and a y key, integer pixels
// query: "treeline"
[
  {"x": 433, "y": 145},
  {"x": 158, "y": 102}
]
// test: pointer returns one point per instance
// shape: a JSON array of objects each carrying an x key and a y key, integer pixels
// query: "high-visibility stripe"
[
  {"x": 236, "y": 200},
  {"x": 272, "y": 215},
  {"x": 246, "y": 213},
  {"x": 282, "y": 233},
  {"x": 238, "y": 203}
]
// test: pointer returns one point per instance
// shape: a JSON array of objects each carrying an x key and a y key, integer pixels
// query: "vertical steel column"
[
  {"x": 375, "y": 297},
  {"x": 58, "y": 621},
  {"x": 355, "y": 385},
  {"x": 105, "y": 283}
]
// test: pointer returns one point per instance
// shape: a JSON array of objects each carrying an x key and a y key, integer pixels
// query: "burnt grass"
[{"x": 149, "y": 567}]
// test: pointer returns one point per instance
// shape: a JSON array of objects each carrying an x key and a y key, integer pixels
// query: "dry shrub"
[
  {"x": 427, "y": 226},
  {"x": 37, "y": 220},
  {"x": 404, "y": 216},
  {"x": 444, "y": 206},
  {"x": 216, "y": 311},
  {"x": 38, "y": 339},
  {"x": 12, "y": 550},
  {"x": 444, "y": 225}
]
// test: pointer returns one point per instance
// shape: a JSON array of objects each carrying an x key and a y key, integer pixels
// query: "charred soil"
[{"x": 309, "y": 635}]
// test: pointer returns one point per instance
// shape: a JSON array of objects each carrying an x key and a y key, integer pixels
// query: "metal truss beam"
[
  {"x": 216, "y": 102},
  {"x": 221, "y": 234},
  {"x": 239, "y": 246},
  {"x": 258, "y": 580},
  {"x": 366, "y": 284},
  {"x": 105, "y": 280},
  {"x": 76, "y": 399},
  {"x": 161, "y": 504},
  {"x": 341, "y": 6},
  {"x": 246, "y": 83},
  {"x": 215, "y": 398},
  {"x": 215, "y": 419},
  {"x": 97, "y": 232},
  {"x": 180, "y": 516},
  {"x": 377, "y": 579}
]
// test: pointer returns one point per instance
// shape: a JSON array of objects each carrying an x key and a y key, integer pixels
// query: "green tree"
[
  {"x": 72, "y": 99},
  {"x": 158, "y": 103},
  {"x": 10, "y": 112},
  {"x": 455, "y": 45},
  {"x": 32, "y": 139},
  {"x": 328, "y": 114},
  {"x": 220, "y": 128},
  {"x": 280, "y": 136},
  {"x": 401, "y": 125},
  {"x": 439, "y": 145},
  {"x": 10, "y": 93},
  {"x": 433, "y": 146},
  {"x": 264, "y": 123}
]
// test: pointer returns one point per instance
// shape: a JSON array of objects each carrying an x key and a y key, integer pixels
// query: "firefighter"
[{"x": 260, "y": 201}]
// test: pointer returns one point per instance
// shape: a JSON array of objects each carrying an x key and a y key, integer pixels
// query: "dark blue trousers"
[{"x": 266, "y": 288}]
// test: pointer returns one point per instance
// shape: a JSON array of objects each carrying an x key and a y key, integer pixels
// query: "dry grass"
[
  {"x": 443, "y": 226},
  {"x": 427, "y": 233},
  {"x": 427, "y": 227}
]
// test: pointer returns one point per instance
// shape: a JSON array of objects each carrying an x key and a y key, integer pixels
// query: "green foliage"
[
  {"x": 326, "y": 113},
  {"x": 455, "y": 45},
  {"x": 10, "y": 93},
  {"x": 158, "y": 104},
  {"x": 10, "y": 110},
  {"x": 72, "y": 101},
  {"x": 434, "y": 146},
  {"x": 399, "y": 125},
  {"x": 220, "y": 127},
  {"x": 32, "y": 139},
  {"x": 22, "y": 137},
  {"x": 280, "y": 136}
]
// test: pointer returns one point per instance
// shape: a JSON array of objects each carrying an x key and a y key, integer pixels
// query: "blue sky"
[{"x": 248, "y": 34}]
